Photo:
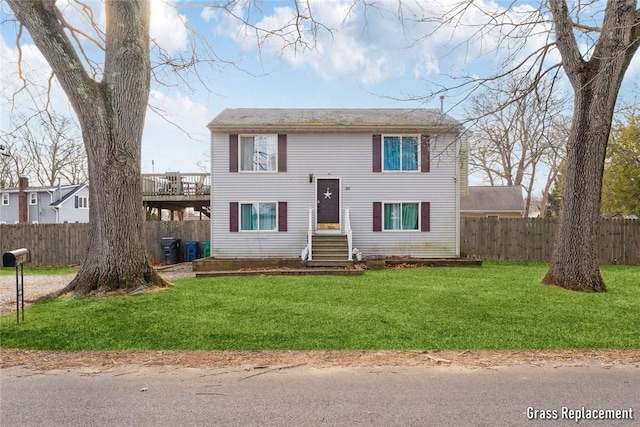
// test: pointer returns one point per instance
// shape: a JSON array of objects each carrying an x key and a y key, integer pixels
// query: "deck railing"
[
  {"x": 310, "y": 236},
  {"x": 176, "y": 184},
  {"x": 349, "y": 233}
]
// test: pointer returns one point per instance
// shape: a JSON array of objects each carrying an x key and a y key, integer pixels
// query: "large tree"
[
  {"x": 46, "y": 147},
  {"x": 109, "y": 93},
  {"x": 596, "y": 41},
  {"x": 596, "y": 77},
  {"x": 518, "y": 137},
  {"x": 111, "y": 113}
]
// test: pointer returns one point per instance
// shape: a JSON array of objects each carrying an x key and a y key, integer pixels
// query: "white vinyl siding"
[{"x": 348, "y": 157}]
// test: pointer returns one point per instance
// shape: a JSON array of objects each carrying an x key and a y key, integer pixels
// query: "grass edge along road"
[{"x": 497, "y": 306}]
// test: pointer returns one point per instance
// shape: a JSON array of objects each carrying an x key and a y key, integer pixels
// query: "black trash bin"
[{"x": 170, "y": 250}]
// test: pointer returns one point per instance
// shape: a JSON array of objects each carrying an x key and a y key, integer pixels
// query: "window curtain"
[
  {"x": 409, "y": 153},
  {"x": 410, "y": 216},
  {"x": 267, "y": 216},
  {"x": 248, "y": 217},
  {"x": 246, "y": 153},
  {"x": 265, "y": 153},
  {"x": 392, "y": 153},
  {"x": 392, "y": 216},
  {"x": 258, "y": 216}
]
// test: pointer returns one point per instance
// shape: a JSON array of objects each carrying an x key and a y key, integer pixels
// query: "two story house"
[
  {"x": 384, "y": 181},
  {"x": 51, "y": 204}
]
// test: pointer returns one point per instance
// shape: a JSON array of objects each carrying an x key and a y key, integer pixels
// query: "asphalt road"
[{"x": 303, "y": 396}]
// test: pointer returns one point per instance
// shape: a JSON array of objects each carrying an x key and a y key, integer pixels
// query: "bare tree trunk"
[
  {"x": 574, "y": 264},
  {"x": 596, "y": 84},
  {"x": 111, "y": 114}
]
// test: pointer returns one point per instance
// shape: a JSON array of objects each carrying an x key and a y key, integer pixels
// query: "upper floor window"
[
  {"x": 5, "y": 199},
  {"x": 259, "y": 153},
  {"x": 33, "y": 198},
  {"x": 82, "y": 202},
  {"x": 401, "y": 153}
]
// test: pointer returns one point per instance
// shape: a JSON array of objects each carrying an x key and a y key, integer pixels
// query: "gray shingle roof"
[
  {"x": 492, "y": 199},
  {"x": 68, "y": 195},
  {"x": 332, "y": 120}
]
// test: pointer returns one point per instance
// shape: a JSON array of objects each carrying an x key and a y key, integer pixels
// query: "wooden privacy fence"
[
  {"x": 66, "y": 244},
  {"x": 517, "y": 239},
  {"x": 532, "y": 239}
]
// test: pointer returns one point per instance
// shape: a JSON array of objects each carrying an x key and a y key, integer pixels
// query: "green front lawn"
[{"x": 497, "y": 306}]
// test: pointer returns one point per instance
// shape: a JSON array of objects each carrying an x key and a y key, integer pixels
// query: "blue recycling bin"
[{"x": 191, "y": 250}]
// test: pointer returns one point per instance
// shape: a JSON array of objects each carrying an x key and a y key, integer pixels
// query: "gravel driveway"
[{"x": 36, "y": 286}]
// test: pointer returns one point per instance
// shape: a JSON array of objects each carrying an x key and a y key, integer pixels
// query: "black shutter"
[
  {"x": 377, "y": 216},
  {"x": 233, "y": 217},
  {"x": 282, "y": 153},
  {"x": 425, "y": 155},
  {"x": 377, "y": 153},
  {"x": 233, "y": 152},
  {"x": 282, "y": 216},
  {"x": 425, "y": 216}
]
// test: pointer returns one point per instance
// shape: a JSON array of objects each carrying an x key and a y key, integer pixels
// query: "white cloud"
[
  {"x": 168, "y": 27},
  {"x": 209, "y": 13},
  {"x": 368, "y": 44},
  {"x": 32, "y": 93},
  {"x": 175, "y": 136}
]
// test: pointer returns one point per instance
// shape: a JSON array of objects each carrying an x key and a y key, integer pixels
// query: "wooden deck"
[{"x": 175, "y": 192}]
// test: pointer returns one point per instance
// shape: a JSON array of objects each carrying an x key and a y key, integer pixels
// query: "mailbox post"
[{"x": 17, "y": 258}]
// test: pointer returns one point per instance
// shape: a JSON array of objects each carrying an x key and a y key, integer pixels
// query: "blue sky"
[{"x": 369, "y": 60}]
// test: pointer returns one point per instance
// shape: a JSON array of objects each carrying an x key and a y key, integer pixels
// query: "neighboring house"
[
  {"x": 53, "y": 204},
  {"x": 386, "y": 180},
  {"x": 497, "y": 202}
]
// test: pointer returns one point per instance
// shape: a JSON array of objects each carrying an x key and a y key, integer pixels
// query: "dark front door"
[{"x": 328, "y": 193}]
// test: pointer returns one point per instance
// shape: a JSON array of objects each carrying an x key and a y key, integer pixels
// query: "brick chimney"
[{"x": 23, "y": 216}]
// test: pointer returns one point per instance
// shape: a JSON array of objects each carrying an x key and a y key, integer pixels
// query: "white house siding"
[
  {"x": 345, "y": 156},
  {"x": 9, "y": 214},
  {"x": 42, "y": 212},
  {"x": 68, "y": 211}
]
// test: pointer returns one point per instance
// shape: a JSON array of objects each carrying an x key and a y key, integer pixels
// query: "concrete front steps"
[{"x": 329, "y": 250}]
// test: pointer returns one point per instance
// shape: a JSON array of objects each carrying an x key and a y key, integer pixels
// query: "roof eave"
[{"x": 390, "y": 128}]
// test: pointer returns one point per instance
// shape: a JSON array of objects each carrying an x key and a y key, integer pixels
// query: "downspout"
[
  {"x": 457, "y": 186},
  {"x": 55, "y": 208}
]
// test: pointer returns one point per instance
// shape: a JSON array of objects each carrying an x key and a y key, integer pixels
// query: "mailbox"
[{"x": 16, "y": 257}]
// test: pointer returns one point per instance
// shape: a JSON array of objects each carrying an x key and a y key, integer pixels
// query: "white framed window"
[
  {"x": 403, "y": 216},
  {"x": 261, "y": 216},
  {"x": 401, "y": 153},
  {"x": 33, "y": 198},
  {"x": 5, "y": 199},
  {"x": 258, "y": 153},
  {"x": 83, "y": 203}
]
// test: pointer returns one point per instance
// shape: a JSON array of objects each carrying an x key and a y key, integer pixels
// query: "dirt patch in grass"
[{"x": 106, "y": 360}]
